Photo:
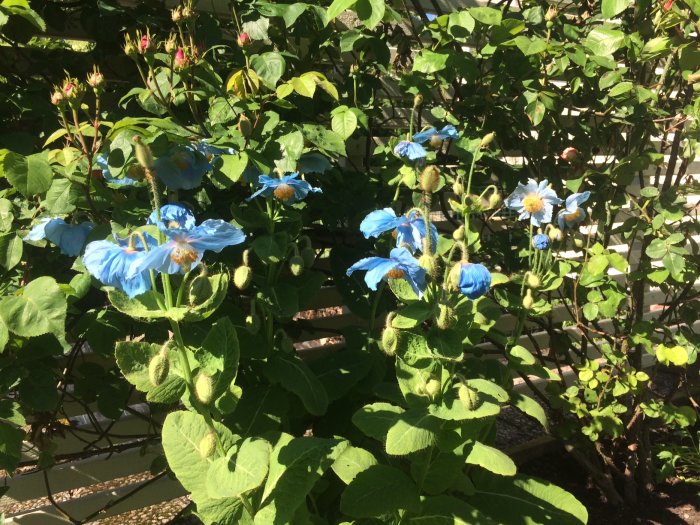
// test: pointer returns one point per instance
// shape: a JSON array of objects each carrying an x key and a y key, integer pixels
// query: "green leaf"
[
  {"x": 486, "y": 15},
  {"x": 621, "y": 88},
  {"x": 430, "y": 62},
  {"x": 6, "y": 215},
  {"x": 296, "y": 376},
  {"x": 414, "y": 430},
  {"x": 11, "y": 249},
  {"x": 376, "y": 419},
  {"x": 28, "y": 175},
  {"x": 238, "y": 473},
  {"x": 270, "y": 67},
  {"x": 296, "y": 464},
  {"x": 10, "y": 446},
  {"x": 612, "y": 8},
  {"x": 271, "y": 248},
  {"x": 370, "y": 12},
  {"x": 522, "y": 355},
  {"x": 39, "y": 309},
  {"x": 232, "y": 167},
  {"x": 448, "y": 510},
  {"x": 529, "y": 406},
  {"x": 377, "y": 491},
  {"x": 351, "y": 462},
  {"x": 305, "y": 85},
  {"x": 672, "y": 355},
  {"x": 530, "y": 46},
  {"x": 590, "y": 311},
  {"x": 604, "y": 42},
  {"x": 62, "y": 197},
  {"x": 525, "y": 500},
  {"x": 343, "y": 122},
  {"x": 133, "y": 359},
  {"x": 220, "y": 353},
  {"x": 491, "y": 459},
  {"x": 412, "y": 315},
  {"x": 338, "y": 6}
]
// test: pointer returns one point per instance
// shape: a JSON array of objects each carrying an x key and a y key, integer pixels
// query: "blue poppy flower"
[
  {"x": 400, "y": 265},
  {"x": 182, "y": 168},
  {"x": 288, "y": 189},
  {"x": 436, "y": 137},
  {"x": 534, "y": 201},
  {"x": 135, "y": 173},
  {"x": 210, "y": 152},
  {"x": 69, "y": 238},
  {"x": 474, "y": 280},
  {"x": 185, "y": 247},
  {"x": 110, "y": 263},
  {"x": 540, "y": 241},
  {"x": 410, "y": 151},
  {"x": 573, "y": 213},
  {"x": 173, "y": 216},
  {"x": 410, "y": 230}
]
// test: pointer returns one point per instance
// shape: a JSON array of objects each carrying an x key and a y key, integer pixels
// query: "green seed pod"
[
  {"x": 390, "y": 340},
  {"x": 533, "y": 281},
  {"x": 242, "y": 277},
  {"x": 204, "y": 388},
  {"x": 252, "y": 323},
  {"x": 430, "y": 179},
  {"x": 494, "y": 200},
  {"x": 143, "y": 153},
  {"x": 458, "y": 234},
  {"x": 468, "y": 397},
  {"x": 309, "y": 256},
  {"x": 528, "y": 301},
  {"x": 417, "y": 100},
  {"x": 432, "y": 388},
  {"x": 159, "y": 367},
  {"x": 549, "y": 24},
  {"x": 458, "y": 188},
  {"x": 446, "y": 318},
  {"x": 200, "y": 290},
  {"x": 207, "y": 445},
  {"x": 296, "y": 265}
]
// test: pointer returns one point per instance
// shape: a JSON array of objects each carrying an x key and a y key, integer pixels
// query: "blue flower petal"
[
  {"x": 380, "y": 221},
  {"x": 474, "y": 280},
  {"x": 182, "y": 168},
  {"x": 411, "y": 151},
  {"x": 110, "y": 263},
  {"x": 424, "y": 136},
  {"x": 173, "y": 216},
  {"x": 214, "y": 235},
  {"x": 70, "y": 238}
]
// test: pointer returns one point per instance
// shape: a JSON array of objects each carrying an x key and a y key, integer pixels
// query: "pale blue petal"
[
  {"x": 379, "y": 221},
  {"x": 214, "y": 235},
  {"x": 424, "y": 136}
]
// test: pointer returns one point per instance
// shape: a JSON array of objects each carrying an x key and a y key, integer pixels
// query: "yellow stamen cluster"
[
  {"x": 184, "y": 255},
  {"x": 533, "y": 203},
  {"x": 570, "y": 217},
  {"x": 284, "y": 192}
]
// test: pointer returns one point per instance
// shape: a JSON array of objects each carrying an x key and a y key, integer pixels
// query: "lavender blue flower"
[
  {"x": 69, "y": 238},
  {"x": 573, "y": 214},
  {"x": 400, "y": 265},
  {"x": 534, "y": 201}
]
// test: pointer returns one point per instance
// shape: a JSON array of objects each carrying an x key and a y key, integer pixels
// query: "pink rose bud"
[
  {"x": 666, "y": 6},
  {"x": 243, "y": 39},
  {"x": 569, "y": 154},
  {"x": 180, "y": 61},
  {"x": 145, "y": 44},
  {"x": 68, "y": 89}
]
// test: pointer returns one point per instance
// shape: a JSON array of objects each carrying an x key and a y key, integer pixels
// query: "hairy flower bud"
[
  {"x": 417, "y": 100},
  {"x": 207, "y": 445},
  {"x": 555, "y": 234},
  {"x": 243, "y": 39},
  {"x": 458, "y": 234},
  {"x": 96, "y": 79},
  {"x": 486, "y": 140},
  {"x": 159, "y": 367},
  {"x": 446, "y": 318},
  {"x": 143, "y": 153},
  {"x": 242, "y": 277},
  {"x": 453, "y": 277},
  {"x": 432, "y": 388},
  {"x": 528, "y": 301},
  {"x": 468, "y": 397},
  {"x": 458, "y": 188},
  {"x": 296, "y": 265},
  {"x": 430, "y": 179},
  {"x": 204, "y": 388},
  {"x": 390, "y": 339},
  {"x": 429, "y": 263},
  {"x": 533, "y": 280},
  {"x": 494, "y": 200}
]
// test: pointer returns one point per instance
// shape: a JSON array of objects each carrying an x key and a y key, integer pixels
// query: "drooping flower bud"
[
  {"x": 430, "y": 179},
  {"x": 242, "y": 277},
  {"x": 245, "y": 126},
  {"x": 494, "y": 200},
  {"x": 540, "y": 241},
  {"x": 143, "y": 153},
  {"x": 296, "y": 265},
  {"x": 204, "y": 388},
  {"x": 486, "y": 140},
  {"x": 243, "y": 39},
  {"x": 446, "y": 318},
  {"x": 458, "y": 234},
  {"x": 473, "y": 280},
  {"x": 390, "y": 340},
  {"x": 533, "y": 280},
  {"x": 468, "y": 397},
  {"x": 429, "y": 263},
  {"x": 417, "y": 100},
  {"x": 159, "y": 367},
  {"x": 309, "y": 256},
  {"x": 458, "y": 188},
  {"x": 528, "y": 301},
  {"x": 569, "y": 154},
  {"x": 578, "y": 243},
  {"x": 207, "y": 445},
  {"x": 555, "y": 234},
  {"x": 432, "y": 388}
]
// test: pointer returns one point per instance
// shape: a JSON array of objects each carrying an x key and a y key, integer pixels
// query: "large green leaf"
[
  {"x": 612, "y": 8},
  {"x": 270, "y": 67},
  {"x": 370, "y": 12},
  {"x": 522, "y": 500},
  {"x": 28, "y": 175},
  {"x": 238, "y": 473},
  {"x": 414, "y": 430},
  {"x": 491, "y": 459},
  {"x": 11, "y": 248},
  {"x": 376, "y": 419},
  {"x": 338, "y": 6},
  {"x": 447, "y": 510},
  {"x": 10, "y": 446},
  {"x": 377, "y": 491},
  {"x": 296, "y": 376},
  {"x": 430, "y": 62},
  {"x": 39, "y": 309},
  {"x": 604, "y": 42},
  {"x": 220, "y": 353},
  {"x": 295, "y": 466},
  {"x": 351, "y": 462}
]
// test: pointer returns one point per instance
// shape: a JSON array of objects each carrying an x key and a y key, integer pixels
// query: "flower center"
[
  {"x": 173, "y": 224},
  {"x": 184, "y": 255},
  {"x": 533, "y": 203},
  {"x": 181, "y": 160},
  {"x": 395, "y": 273},
  {"x": 435, "y": 141},
  {"x": 284, "y": 192},
  {"x": 570, "y": 217}
]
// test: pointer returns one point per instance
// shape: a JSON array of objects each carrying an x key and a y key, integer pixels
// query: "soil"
[{"x": 672, "y": 503}]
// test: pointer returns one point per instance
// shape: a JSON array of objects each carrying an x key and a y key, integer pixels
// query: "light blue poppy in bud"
[
  {"x": 173, "y": 216},
  {"x": 435, "y": 136},
  {"x": 400, "y": 265},
  {"x": 182, "y": 168},
  {"x": 287, "y": 189},
  {"x": 474, "y": 280},
  {"x": 70, "y": 238},
  {"x": 540, "y": 241},
  {"x": 134, "y": 172},
  {"x": 410, "y": 151},
  {"x": 185, "y": 247},
  {"x": 111, "y": 263},
  {"x": 534, "y": 201},
  {"x": 409, "y": 230},
  {"x": 573, "y": 214}
]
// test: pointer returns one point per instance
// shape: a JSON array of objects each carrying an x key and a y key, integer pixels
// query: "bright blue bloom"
[
  {"x": 400, "y": 265},
  {"x": 573, "y": 213},
  {"x": 110, "y": 263},
  {"x": 173, "y": 216},
  {"x": 474, "y": 280},
  {"x": 540, "y": 241},
  {"x": 70, "y": 238},
  {"x": 534, "y": 201},
  {"x": 135, "y": 169},
  {"x": 182, "y": 168},
  {"x": 185, "y": 247},
  {"x": 433, "y": 135},
  {"x": 411, "y": 151},
  {"x": 410, "y": 230},
  {"x": 288, "y": 189},
  {"x": 211, "y": 152}
]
